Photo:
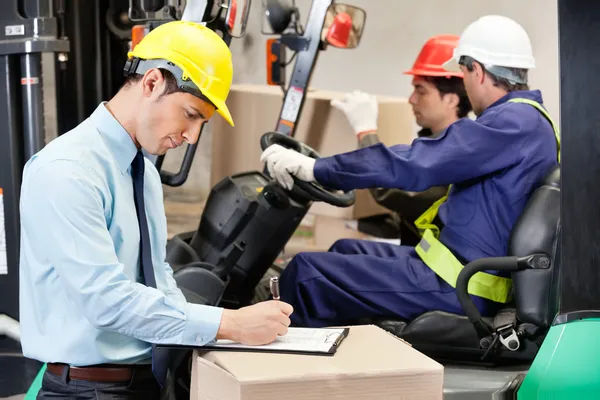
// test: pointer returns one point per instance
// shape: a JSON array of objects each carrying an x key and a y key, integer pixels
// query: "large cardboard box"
[
  {"x": 369, "y": 364},
  {"x": 255, "y": 110},
  {"x": 319, "y": 232}
]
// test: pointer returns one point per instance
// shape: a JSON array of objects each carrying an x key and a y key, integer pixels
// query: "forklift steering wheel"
[{"x": 313, "y": 190}]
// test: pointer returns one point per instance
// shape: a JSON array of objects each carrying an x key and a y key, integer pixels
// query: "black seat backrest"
[{"x": 537, "y": 231}]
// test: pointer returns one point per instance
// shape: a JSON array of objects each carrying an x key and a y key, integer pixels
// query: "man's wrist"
[
  {"x": 364, "y": 133},
  {"x": 228, "y": 328}
]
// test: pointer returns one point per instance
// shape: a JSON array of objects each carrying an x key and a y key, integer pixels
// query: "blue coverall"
[{"x": 493, "y": 163}]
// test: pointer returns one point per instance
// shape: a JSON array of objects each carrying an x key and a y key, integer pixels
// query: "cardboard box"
[
  {"x": 319, "y": 233},
  {"x": 255, "y": 110},
  {"x": 366, "y": 206},
  {"x": 369, "y": 364}
]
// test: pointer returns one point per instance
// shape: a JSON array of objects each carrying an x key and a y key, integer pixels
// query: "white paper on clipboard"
[{"x": 309, "y": 340}]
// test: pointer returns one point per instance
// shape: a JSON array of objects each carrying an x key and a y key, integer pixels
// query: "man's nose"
[
  {"x": 192, "y": 134},
  {"x": 412, "y": 99}
]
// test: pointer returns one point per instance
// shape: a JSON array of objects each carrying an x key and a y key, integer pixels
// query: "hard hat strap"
[
  {"x": 507, "y": 73},
  {"x": 140, "y": 66},
  {"x": 501, "y": 72}
]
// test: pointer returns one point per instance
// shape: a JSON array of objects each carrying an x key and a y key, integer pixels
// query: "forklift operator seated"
[{"x": 492, "y": 164}]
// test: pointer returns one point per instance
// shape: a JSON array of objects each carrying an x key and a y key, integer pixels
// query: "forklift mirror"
[
  {"x": 152, "y": 5},
  {"x": 236, "y": 19},
  {"x": 343, "y": 26}
]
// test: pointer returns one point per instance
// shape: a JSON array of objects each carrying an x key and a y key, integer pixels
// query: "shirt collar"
[
  {"x": 534, "y": 95},
  {"x": 116, "y": 138}
]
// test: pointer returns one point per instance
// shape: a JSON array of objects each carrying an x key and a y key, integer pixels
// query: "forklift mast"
[
  {"x": 323, "y": 21},
  {"x": 307, "y": 45},
  {"x": 28, "y": 29}
]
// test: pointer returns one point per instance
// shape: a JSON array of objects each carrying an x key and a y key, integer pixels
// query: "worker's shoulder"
[
  {"x": 80, "y": 149},
  {"x": 82, "y": 144},
  {"x": 517, "y": 112}
]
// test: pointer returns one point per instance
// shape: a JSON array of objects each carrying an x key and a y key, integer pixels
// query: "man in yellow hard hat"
[{"x": 96, "y": 292}]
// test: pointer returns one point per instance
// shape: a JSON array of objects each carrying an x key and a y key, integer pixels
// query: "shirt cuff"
[{"x": 202, "y": 324}]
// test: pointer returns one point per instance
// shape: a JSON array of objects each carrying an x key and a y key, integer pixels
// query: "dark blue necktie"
[{"x": 160, "y": 356}]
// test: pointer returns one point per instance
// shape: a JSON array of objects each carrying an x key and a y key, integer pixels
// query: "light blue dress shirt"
[{"x": 81, "y": 302}]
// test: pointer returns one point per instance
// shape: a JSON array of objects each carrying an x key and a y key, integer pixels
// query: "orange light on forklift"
[
  {"x": 272, "y": 61},
  {"x": 137, "y": 34},
  {"x": 339, "y": 31}
]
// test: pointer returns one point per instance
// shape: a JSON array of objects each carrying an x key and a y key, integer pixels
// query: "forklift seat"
[{"x": 515, "y": 333}]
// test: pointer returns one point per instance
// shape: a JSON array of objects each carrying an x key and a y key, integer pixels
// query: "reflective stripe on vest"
[{"x": 441, "y": 260}]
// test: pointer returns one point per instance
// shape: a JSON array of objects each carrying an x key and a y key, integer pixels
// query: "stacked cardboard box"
[{"x": 369, "y": 364}]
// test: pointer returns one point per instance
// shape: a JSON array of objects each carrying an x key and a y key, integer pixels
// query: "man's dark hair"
[
  {"x": 170, "y": 80},
  {"x": 456, "y": 86},
  {"x": 499, "y": 81}
]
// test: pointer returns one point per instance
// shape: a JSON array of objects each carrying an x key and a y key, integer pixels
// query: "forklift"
[
  {"x": 248, "y": 219},
  {"x": 543, "y": 347}
]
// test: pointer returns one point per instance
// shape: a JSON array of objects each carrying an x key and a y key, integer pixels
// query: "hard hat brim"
[
  {"x": 436, "y": 74},
  {"x": 218, "y": 103},
  {"x": 221, "y": 109},
  {"x": 451, "y": 65},
  {"x": 224, "y": 112}
]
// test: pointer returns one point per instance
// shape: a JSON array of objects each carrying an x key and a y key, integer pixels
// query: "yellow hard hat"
[{"x": 200, "y": 54}]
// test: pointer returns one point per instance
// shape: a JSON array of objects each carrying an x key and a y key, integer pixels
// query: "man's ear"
[
  {"x": 451, "y": 100},
  {"x": 152, "y": 83},
  {"x": 479, "y": 72}
]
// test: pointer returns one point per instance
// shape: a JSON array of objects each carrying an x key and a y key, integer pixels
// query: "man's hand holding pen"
[{"x": 259, "y": 323}]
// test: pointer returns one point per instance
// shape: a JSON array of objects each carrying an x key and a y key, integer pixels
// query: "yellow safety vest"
[{"x": 441, "y": 260}]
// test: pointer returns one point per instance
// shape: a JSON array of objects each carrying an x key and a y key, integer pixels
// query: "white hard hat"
[{"x": 494, "y": 40}]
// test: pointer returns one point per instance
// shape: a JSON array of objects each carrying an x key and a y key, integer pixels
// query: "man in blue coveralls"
[{"x": 493, "y": 164}]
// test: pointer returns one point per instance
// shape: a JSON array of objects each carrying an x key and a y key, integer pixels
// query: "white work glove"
[
  {"x": 282, "y": 163},
  {"x": 361, "y": 110}
]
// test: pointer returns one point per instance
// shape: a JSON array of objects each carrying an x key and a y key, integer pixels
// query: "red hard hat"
[
  {"x": 339, "y": 31},
  {"x": 433, "y": 55}
]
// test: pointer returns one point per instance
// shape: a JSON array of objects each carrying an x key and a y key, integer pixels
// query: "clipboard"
[{"x": 301, "y": 341}]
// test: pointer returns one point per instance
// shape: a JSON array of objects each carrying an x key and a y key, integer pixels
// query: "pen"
[{"x": 275, "y": 287}]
